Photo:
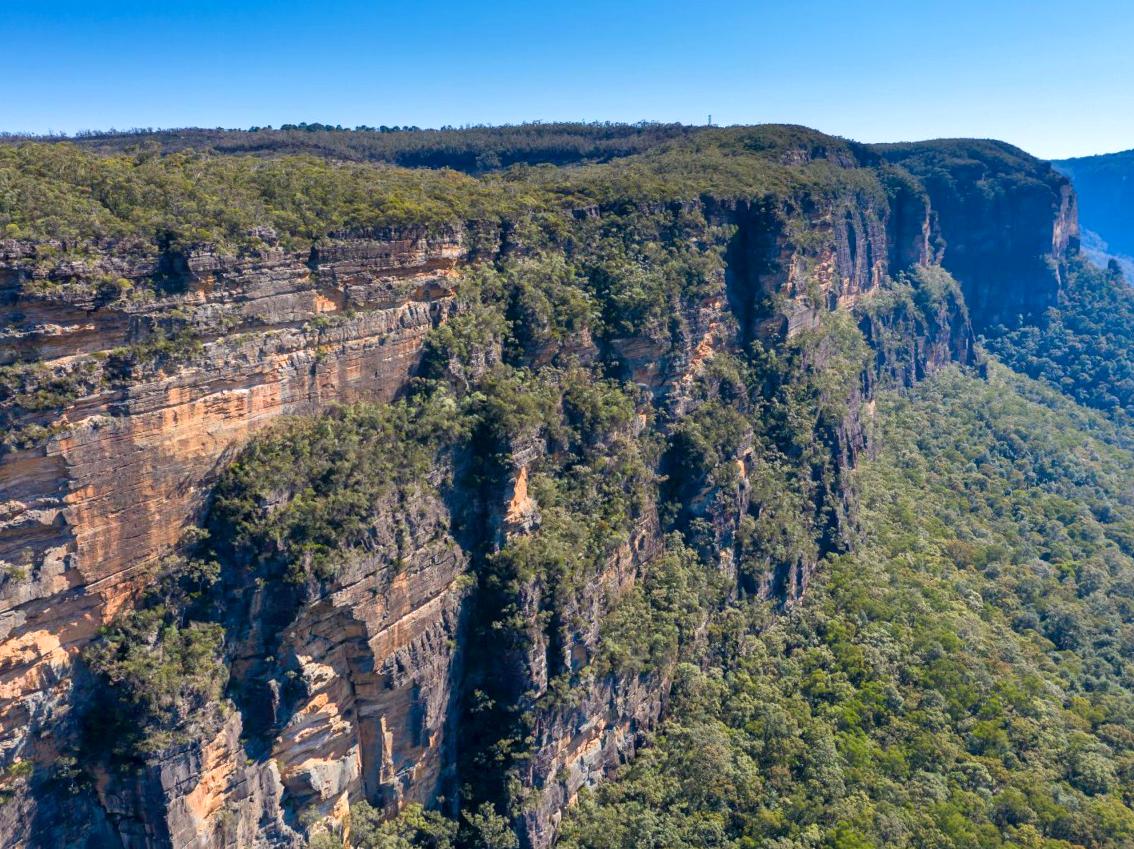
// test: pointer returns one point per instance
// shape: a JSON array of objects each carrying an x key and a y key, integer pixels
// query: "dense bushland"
[
  {"x": 472, "y": 149},
  {"x": 1081, "y": 346},
  {"x": 67, "y": 196}
]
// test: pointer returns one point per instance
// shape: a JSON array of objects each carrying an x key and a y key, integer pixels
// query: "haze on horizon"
[{"x": 1048, "y": 77}]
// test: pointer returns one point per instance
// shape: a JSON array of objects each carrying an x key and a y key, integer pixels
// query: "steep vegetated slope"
[{"x": 559, "y": 441}]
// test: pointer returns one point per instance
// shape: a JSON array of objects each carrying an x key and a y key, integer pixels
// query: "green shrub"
[{"x": 156, "y": 677}]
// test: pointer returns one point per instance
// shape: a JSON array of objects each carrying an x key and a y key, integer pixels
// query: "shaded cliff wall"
[{"x": 1001, "y": 219}]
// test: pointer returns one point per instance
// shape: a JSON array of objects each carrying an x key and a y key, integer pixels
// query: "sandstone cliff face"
[
  {"x": 87, "y": 513},
  {"x": 357, "y": 687}
]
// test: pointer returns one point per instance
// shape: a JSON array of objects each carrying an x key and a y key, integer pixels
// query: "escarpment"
[
  {"x": 533, "y": 455},
  {"x": 1000, "y": 220}
]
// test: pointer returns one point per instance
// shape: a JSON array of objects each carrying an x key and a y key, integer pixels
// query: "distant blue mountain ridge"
[{"x": 1105, "y": 185}]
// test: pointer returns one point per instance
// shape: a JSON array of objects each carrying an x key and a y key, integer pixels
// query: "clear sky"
[{"x": 1056, "y": 78}]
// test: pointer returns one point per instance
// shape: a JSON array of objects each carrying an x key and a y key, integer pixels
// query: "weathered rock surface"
[{"x": 87, "y": 514}]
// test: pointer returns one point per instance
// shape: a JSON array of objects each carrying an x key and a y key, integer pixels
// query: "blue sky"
[{"x": 1056, "y": 78}]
